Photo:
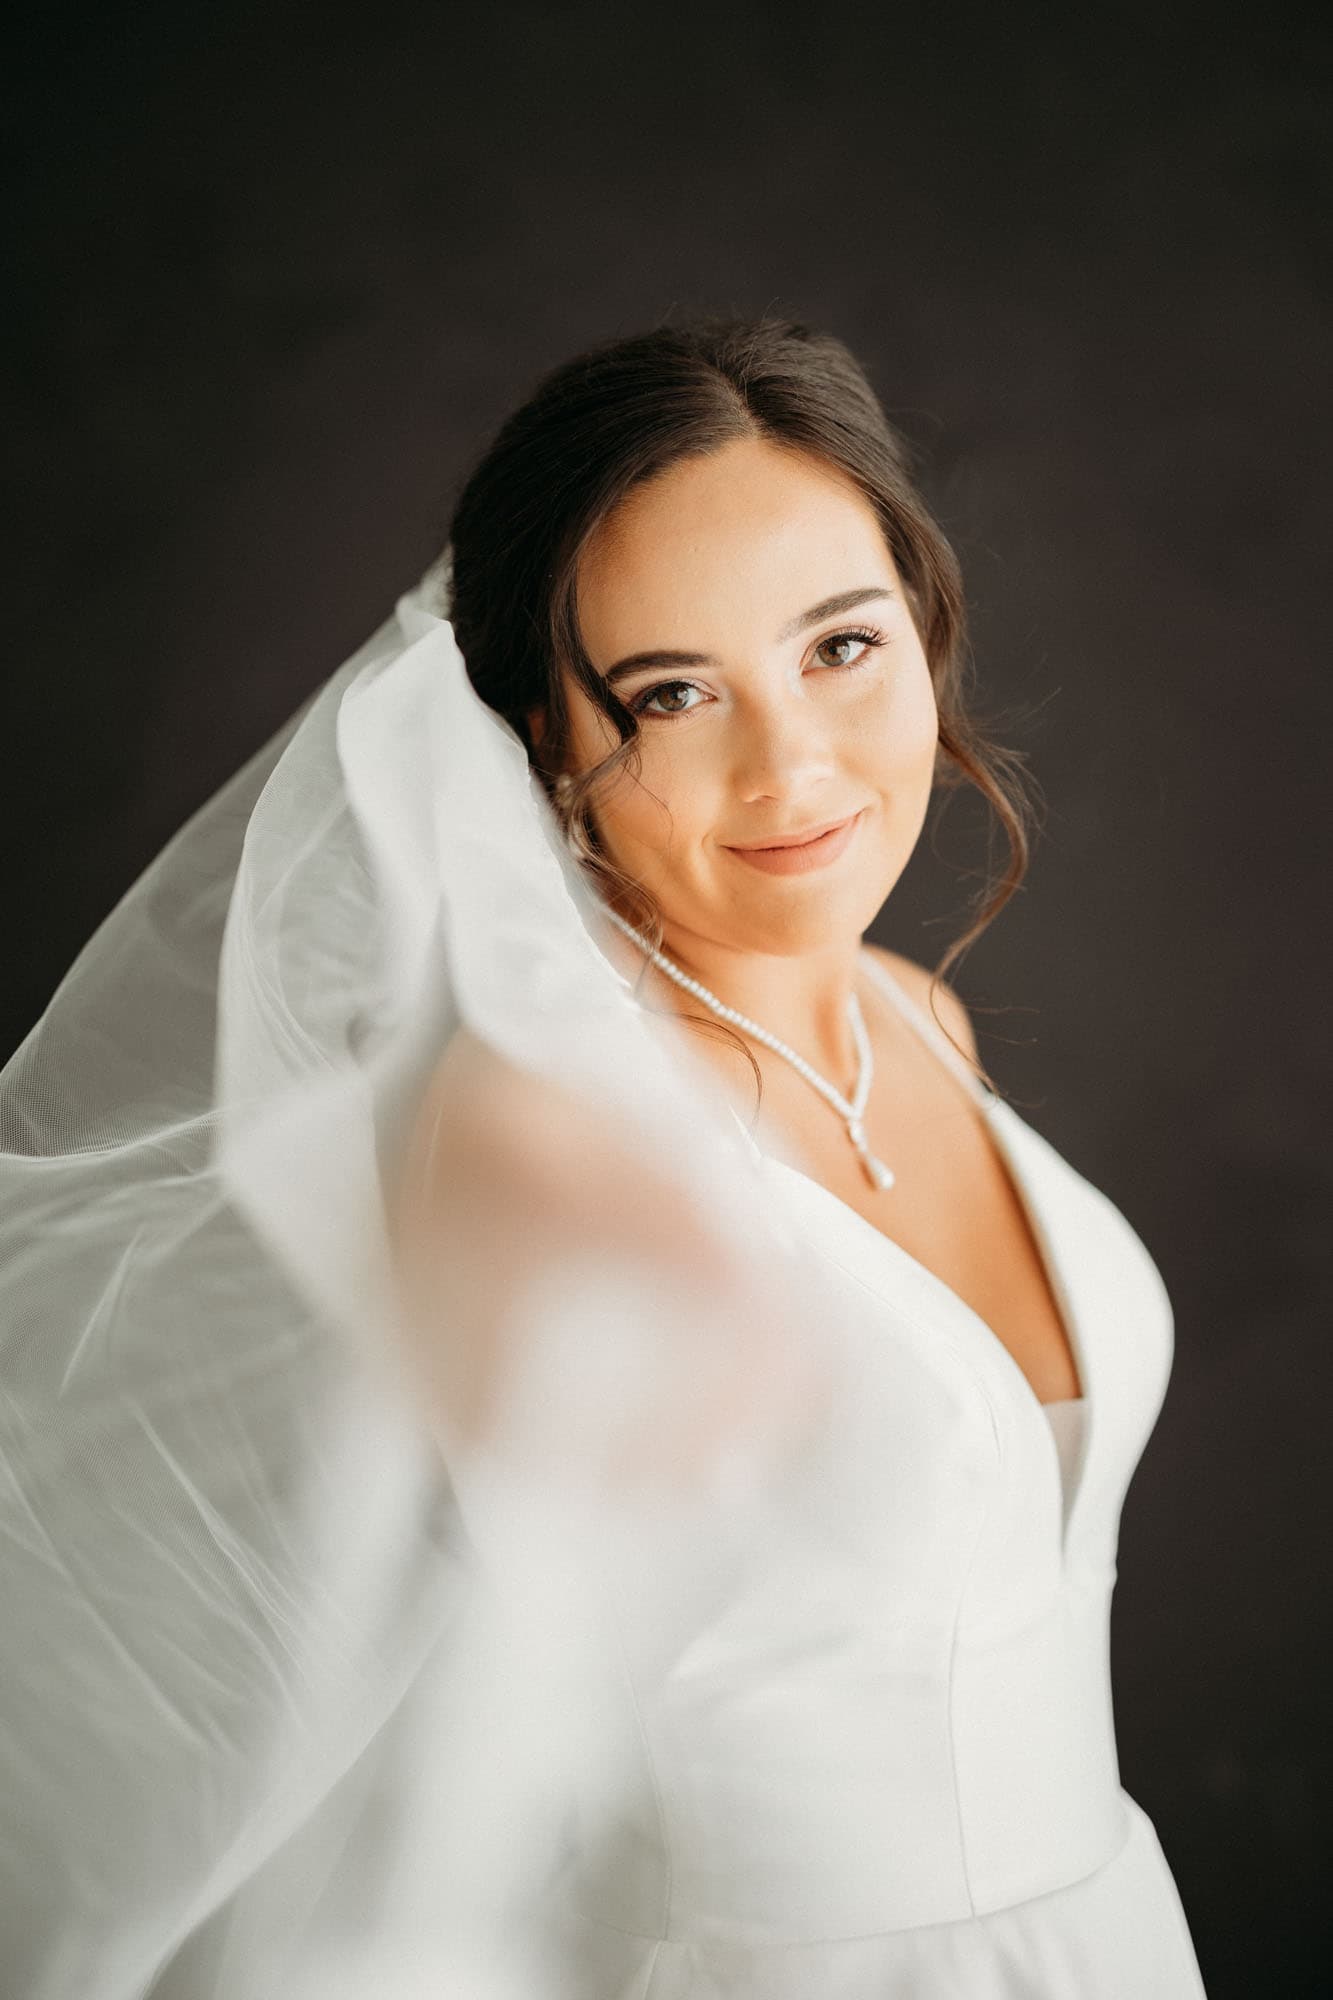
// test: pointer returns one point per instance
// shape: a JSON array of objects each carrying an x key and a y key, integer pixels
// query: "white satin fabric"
[
  {"x": 299, "y": 1692},
  {"x": 1068, "y": 1421},
  {"x": 888, "y": 1769}
]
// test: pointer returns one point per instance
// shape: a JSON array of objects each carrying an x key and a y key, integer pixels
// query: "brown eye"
[
  {"x": 870, "y": 639},
  {"x": 639, "y": 705}
]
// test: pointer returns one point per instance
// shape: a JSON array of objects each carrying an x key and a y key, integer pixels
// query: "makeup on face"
[{"x": 795, "y": 856}]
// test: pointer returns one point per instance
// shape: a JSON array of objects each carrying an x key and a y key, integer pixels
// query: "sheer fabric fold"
[{"x": 289, "y": 1667}]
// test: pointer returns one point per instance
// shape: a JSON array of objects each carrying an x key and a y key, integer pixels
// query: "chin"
[{"x": 811, "y": 923}]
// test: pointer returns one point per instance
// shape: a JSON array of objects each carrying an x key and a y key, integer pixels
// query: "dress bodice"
[
  {"x": 1067, "y": 1418},
  {"x": 905, "y": 1716}
]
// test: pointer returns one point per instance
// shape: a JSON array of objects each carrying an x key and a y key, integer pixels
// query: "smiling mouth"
[
  {"x": 793, "y": 839},
  {"x": 803, "y": 853}
]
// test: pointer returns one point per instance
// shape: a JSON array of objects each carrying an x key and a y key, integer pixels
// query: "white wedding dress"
[
  {"x": 252, "y": 1739},
  {"x": 888, "y": 1771}
]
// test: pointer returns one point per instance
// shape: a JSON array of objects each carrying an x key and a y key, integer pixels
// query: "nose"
[{"x": 783, "y": 750}]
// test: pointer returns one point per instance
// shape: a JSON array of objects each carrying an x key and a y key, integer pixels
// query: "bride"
[{"x": 541, "y": 934}]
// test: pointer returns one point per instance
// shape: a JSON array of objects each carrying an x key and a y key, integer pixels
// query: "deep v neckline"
[
  {"x": 995, "y": 1116},
  {"x": 1002, "y": 1126}
]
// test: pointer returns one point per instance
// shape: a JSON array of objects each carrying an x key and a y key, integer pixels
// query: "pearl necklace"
[{"x": 850, "y": 1110}]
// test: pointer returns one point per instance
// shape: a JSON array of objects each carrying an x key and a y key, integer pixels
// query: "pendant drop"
[{"x": 877, "y": 1173}]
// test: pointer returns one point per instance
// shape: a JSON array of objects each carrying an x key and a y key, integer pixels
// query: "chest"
[{"x": 955, "y": 1207}]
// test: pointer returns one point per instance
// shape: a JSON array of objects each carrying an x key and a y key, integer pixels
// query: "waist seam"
[{"x": 705, "y": 1938}]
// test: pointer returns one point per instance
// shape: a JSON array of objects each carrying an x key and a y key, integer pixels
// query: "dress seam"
[
  {"x": 650, "y": 1975},
  {"x": 953, "y": 1759},
  {"x": 930, "y": 1334},
  {"x": 659, "y": 1802}
]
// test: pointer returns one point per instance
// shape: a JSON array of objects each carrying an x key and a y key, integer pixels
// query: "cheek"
[
  {"x": 669, "y": 800},
  {"x": 896, "y": 733},
  {"x": 591, "y": 736},
  {"x": 662, "y": 793}
]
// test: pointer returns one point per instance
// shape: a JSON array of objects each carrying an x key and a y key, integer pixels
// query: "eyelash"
[{"x": 869, "y": 635}]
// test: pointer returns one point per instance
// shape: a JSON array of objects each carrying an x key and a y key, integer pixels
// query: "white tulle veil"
[{"x": 290, "y": 1686}]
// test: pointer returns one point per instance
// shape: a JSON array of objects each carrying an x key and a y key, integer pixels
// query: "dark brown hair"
[{"x": 620, "y": 414}]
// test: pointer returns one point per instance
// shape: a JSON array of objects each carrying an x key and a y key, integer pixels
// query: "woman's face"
[{"x": 791, "y": 714}]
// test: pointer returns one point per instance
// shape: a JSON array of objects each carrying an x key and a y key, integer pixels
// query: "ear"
[{"x": 536, "y": 720}]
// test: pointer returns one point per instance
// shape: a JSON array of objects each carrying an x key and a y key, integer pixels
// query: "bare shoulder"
[
  {"x": 473, "y": 1107},
  {"x": 465, "y": 1084},
  {"x": 915, "y": 981}
]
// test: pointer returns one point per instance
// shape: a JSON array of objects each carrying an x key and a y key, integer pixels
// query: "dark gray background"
[{"x": 276, "y": 279}]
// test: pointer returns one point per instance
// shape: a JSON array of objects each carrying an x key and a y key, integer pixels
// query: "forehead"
[{"x": 722, "y": 547}]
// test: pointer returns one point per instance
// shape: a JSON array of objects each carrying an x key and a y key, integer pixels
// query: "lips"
[
  {"x": 790, "y": 839},
  {"x": 802, "y": 853}
]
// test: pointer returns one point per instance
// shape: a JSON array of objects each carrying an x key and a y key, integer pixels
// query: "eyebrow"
[{"x": 828, "y": 607}]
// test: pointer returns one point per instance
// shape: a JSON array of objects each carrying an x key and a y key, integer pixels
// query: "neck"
[{"x": 801, "y": 998}]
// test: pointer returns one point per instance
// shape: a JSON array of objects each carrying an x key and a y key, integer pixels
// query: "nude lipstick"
[{"x": 799, "y": 858}]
